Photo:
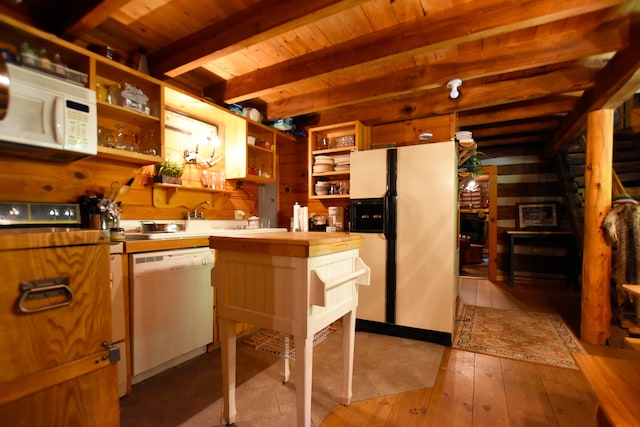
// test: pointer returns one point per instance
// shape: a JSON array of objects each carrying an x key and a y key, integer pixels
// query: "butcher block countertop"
[
  {"x": 135, "y": 246},
  {"x": 292, "y": 244},
  {"x": 39, "y": 237}
]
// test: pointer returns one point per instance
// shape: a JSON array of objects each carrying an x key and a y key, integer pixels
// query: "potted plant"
[
  {"x": 169, "y": 172},
  {"x": 473, "y": 165}
]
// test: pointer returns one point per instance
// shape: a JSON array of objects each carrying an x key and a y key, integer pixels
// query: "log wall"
[{"x": 527, "y": 179}]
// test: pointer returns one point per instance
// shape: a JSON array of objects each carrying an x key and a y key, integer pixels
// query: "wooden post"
[
  {"x": 492, "y": 223},
  {"x": 595, "y": 326}
]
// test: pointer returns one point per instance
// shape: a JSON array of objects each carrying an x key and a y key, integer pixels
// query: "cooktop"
[{"x": 26, "y": 214}]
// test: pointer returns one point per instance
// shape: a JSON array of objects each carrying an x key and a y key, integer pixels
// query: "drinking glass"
[{"x": 121, "y": 139}]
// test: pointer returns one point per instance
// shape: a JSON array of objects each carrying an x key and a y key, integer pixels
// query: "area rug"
[{"x": 529, "y": 336}]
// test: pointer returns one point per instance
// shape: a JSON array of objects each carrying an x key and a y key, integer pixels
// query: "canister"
[{"x": 336, "y": 217}]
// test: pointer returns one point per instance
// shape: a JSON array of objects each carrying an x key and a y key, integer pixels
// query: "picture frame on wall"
[{"x": 537, "y": 216}]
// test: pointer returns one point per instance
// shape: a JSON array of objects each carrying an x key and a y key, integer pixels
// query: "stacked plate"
[
  {"x": 322, "y": 188},
  {"x": 342, "y": 162},
  {"x": 464, "y": 136},
  {"x": 322, "y": 164}
]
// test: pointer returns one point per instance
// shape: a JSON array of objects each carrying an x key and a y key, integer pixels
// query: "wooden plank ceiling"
[{"x": 531, "y": 69}]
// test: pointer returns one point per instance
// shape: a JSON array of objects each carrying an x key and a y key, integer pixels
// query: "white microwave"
[{"x": 47, "y": 118}]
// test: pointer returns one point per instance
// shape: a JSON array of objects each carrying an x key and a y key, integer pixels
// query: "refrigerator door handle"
[{"x": 389, "y": 228}]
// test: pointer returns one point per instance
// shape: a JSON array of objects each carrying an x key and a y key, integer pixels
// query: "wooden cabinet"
[
  {"x": 128, "y": 130},
  {"x": 55, "y": 317},
  {"x": 335, "y": 142},
  {"x": 141, "y": 139},
  {"x": 76, "y": 63},
  {"x": 242, "y": 160},
  {"x": 251, "y": 156}
]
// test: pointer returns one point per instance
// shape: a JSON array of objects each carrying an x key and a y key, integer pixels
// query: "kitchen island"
[{"x": 295, "y": 284}]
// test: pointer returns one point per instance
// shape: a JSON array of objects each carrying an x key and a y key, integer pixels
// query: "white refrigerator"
[{"x": 404, "y": 203}]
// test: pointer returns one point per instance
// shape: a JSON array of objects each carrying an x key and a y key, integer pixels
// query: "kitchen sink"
[{"x": 196, "y": 228}]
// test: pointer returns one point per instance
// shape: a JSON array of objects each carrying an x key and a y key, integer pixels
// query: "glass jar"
[
  {"x": 117, "y": 234},
  {"x": 113, "y": 94},
  {"x": 101, "y": 92}
]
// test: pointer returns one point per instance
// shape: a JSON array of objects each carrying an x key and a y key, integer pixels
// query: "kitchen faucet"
[{"x": 195, "y": 214}]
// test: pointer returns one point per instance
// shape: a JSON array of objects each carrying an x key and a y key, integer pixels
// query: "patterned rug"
[{"x": 534, "y": 337}]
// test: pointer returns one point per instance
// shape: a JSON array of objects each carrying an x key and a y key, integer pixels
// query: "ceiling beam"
[
  {"x": 468, "y": 21},
  {"x": 524, "y": 110},
  {"x": 546, "y": 124},
  {"x": 497, "y": 59},
  {"x": 94, "y": 17},
  {"x": 514, "y": 140},
  {"x": 437, "y": 102},
  {"x": 614, "y": 84},
  {"x": 252, "y": 25}
]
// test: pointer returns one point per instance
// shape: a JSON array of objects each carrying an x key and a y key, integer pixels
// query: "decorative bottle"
[{"x": 222, "y": 182}]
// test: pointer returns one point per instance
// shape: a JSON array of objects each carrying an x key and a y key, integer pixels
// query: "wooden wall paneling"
[
  {"x": 527, "y": 168},
  {"x": 34, "y": 181},
  {"x": 406, "y": 133},
  {"x": 292, "y": 179},
  {"x": 530, "y": 189}
]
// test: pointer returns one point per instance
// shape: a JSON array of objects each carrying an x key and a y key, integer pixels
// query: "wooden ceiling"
[{"x": 531, "y": 69}]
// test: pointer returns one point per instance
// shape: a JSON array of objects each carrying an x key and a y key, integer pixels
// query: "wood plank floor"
[{"x": 478, "y": 390}]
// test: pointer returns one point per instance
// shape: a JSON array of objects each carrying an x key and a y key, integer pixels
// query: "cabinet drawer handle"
[{"x": 44, "y": 288}]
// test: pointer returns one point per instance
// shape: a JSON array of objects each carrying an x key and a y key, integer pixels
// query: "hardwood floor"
[{"x": 478, "y": 390}]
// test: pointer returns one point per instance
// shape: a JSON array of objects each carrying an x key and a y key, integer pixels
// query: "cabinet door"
[
  {"x": 253, "y": 156},
  {"x": 89, "y": 400},
  {"x": 53, "y": 361}
]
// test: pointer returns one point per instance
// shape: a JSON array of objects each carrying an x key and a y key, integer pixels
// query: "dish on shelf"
[
  {"x": 325, "y": 160},
  {"x": 322, "y": 188},
  {"x": 322, "y": 168},
  {"x": 342, "y": 159}
]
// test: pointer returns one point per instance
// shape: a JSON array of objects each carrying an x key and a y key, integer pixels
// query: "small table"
[
  {"x": 293, "y": 283},
  {"x": 634, "y": 290},
  {"x": 515, "y": 235},
  {"x": 616, "y": 384}
]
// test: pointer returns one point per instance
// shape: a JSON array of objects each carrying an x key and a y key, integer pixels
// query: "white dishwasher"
[{"x": 171, "y": 308}]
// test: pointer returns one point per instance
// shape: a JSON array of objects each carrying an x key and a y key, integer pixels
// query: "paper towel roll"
[
  {"x": 304, "y": 218},
  {"x": 296, "y": 217}
]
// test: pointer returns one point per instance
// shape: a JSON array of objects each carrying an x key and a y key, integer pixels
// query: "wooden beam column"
[{"x": 595, "y": 325}]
